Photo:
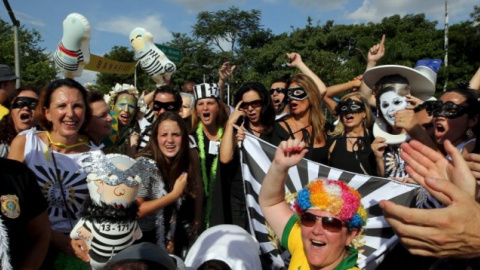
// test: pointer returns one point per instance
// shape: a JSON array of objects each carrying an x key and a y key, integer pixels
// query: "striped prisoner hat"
[{"x": 206, "y": 90}]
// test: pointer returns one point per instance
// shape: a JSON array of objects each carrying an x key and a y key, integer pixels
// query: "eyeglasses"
[
  {"x": 297, "y": 93},
  {"x": 330, "y": 224},
  {"x": 279, "y": 90},
  {"x": 255, "y": 104},
  {"x": 167, "y": 106},
  {"x": 21, "y": 102}
]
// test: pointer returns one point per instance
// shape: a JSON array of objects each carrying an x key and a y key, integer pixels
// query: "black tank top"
[
  {"x": 350, "y": 161},
  {"x": 319, "y": 154}
]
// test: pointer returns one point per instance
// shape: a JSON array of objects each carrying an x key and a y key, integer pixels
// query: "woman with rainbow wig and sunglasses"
[{"x": 328, "y": 215}]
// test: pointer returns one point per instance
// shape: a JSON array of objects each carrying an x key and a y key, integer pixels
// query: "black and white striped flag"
[{"x": 377, "y": 238}]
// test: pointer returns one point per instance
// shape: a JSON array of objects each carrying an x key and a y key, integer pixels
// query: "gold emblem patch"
[{"x": 10, "y": 206}]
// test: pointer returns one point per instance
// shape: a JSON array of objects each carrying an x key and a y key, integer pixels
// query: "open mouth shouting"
[
  {"x": 276, "y": 102},
  {"x": 124, "y": 118}
]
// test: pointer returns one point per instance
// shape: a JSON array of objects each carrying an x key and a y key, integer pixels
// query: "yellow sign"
[{"x": 105, "y": 65}]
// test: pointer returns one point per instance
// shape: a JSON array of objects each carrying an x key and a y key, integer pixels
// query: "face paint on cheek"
[{"x": 125, "y": 103}]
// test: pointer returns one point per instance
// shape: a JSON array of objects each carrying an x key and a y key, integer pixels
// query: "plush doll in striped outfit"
[
  {"x": 108, "y": 223},
  {"x": 152, "y": 60}
]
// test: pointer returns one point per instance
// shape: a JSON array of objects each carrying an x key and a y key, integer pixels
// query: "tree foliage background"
[{"x": 260, "y": 55}]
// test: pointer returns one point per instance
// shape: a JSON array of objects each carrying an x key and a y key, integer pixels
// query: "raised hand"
[
  {"x": 377, "y": 51},
  {"x": 453, "y": 231},
  {"x": 425, "y": 162},
  {"x": 226, "y": 71},
  {"x": 289, "y": 153},
  {"x": 295, "y": 59}
]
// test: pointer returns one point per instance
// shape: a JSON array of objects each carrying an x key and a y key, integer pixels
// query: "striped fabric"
[
  {"x": 206, "y": 90},
  {"x": 376, "y": 239}
]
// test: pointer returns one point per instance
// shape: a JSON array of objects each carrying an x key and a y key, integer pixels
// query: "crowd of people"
[{"x": 193, "y": 213}]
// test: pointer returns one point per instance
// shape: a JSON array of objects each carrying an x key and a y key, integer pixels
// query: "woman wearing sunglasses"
[
  {"x": 165, "y": 99},
  {"x": 278, "y": 93},
  {"x": 21, "y": 117},
  {"x": 254, "y": 112},
  {"x": 328, "y": 215},
  {"x": 352, "y": 137}
]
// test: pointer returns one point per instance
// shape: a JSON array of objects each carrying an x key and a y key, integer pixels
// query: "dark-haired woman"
[
  {"x": 254, "y": 112},
  {"x": 55, "y": 155},
  {"x": 21, "y": 117},
  {"x": 160, "y": 198}
]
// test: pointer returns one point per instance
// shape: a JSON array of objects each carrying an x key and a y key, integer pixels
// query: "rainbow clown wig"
[{"x": 335, "y": 197}]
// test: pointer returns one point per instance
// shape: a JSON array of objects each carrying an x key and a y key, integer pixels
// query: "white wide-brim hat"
[{"x": 422, "y": 79}]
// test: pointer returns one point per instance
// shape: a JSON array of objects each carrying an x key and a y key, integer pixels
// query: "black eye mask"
[
  {"x": 297, "y": 93},
  {"x": 168, "y": 106},
  {"x": 21, "y": 102},
  {"x": 448, "y": 109},
  {"x": 349, "y": 106}
]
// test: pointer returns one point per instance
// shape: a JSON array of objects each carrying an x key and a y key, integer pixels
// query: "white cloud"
[
  {"x": 124, "y": 25},
  {"x": 376, "y": 10},
  {"x": 194, "y": 6},
  {"x": 88, "y": 76},
  {"x": 319, "y": 5},
  {"x": 28, "y": 19}
]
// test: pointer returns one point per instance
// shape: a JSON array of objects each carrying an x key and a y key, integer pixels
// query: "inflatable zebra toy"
[
  {"x": 108, "y": 223},
  {"x": 73, "y": 51},
  {"x": 152, "y": 60}
]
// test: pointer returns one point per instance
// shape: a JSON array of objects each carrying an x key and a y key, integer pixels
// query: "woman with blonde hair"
[
  {"x": 352, "y": 137},
  {"x": 306, "y": 121}
]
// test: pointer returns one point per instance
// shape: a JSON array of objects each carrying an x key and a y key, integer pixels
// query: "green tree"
[
  {"x": 230, "y": 25},
  {"x": 36, "y": 67}
]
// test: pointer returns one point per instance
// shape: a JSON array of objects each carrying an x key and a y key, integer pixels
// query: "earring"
[{"x": 470, "y": 133}]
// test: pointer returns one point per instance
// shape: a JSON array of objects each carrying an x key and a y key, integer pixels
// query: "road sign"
[{"x": 174, "y": 54}]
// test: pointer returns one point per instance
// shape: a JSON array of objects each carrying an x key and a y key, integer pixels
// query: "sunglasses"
[
  {"x": 255, "y": 104},
  {"x": 278, "y": 90},
  {"x": 167, "y": 106},
  {"x": 21, "y": 102},
  {"x": 297, "y": 93},
  {"x": 330, "y": 224}
]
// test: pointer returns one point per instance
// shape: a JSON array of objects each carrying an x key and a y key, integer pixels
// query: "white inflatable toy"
[
  {"x": 73, "y": 51},
  {"x": 152, "y": 60},
  {"x": 108, "y": 223}
]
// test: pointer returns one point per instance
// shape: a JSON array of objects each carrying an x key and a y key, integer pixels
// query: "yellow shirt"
[
  {"x": 3, "y": 111},
  {"x": 292, "y": 240}
]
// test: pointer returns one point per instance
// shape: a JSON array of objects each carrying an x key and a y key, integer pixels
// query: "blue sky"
[{"x": 112, "y": 21}]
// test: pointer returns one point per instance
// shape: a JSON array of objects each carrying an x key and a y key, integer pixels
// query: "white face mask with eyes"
[{"x": 390, "y": 102}]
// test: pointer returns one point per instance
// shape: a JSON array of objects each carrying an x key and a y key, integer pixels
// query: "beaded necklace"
[{"x": 207, "y": 183}]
